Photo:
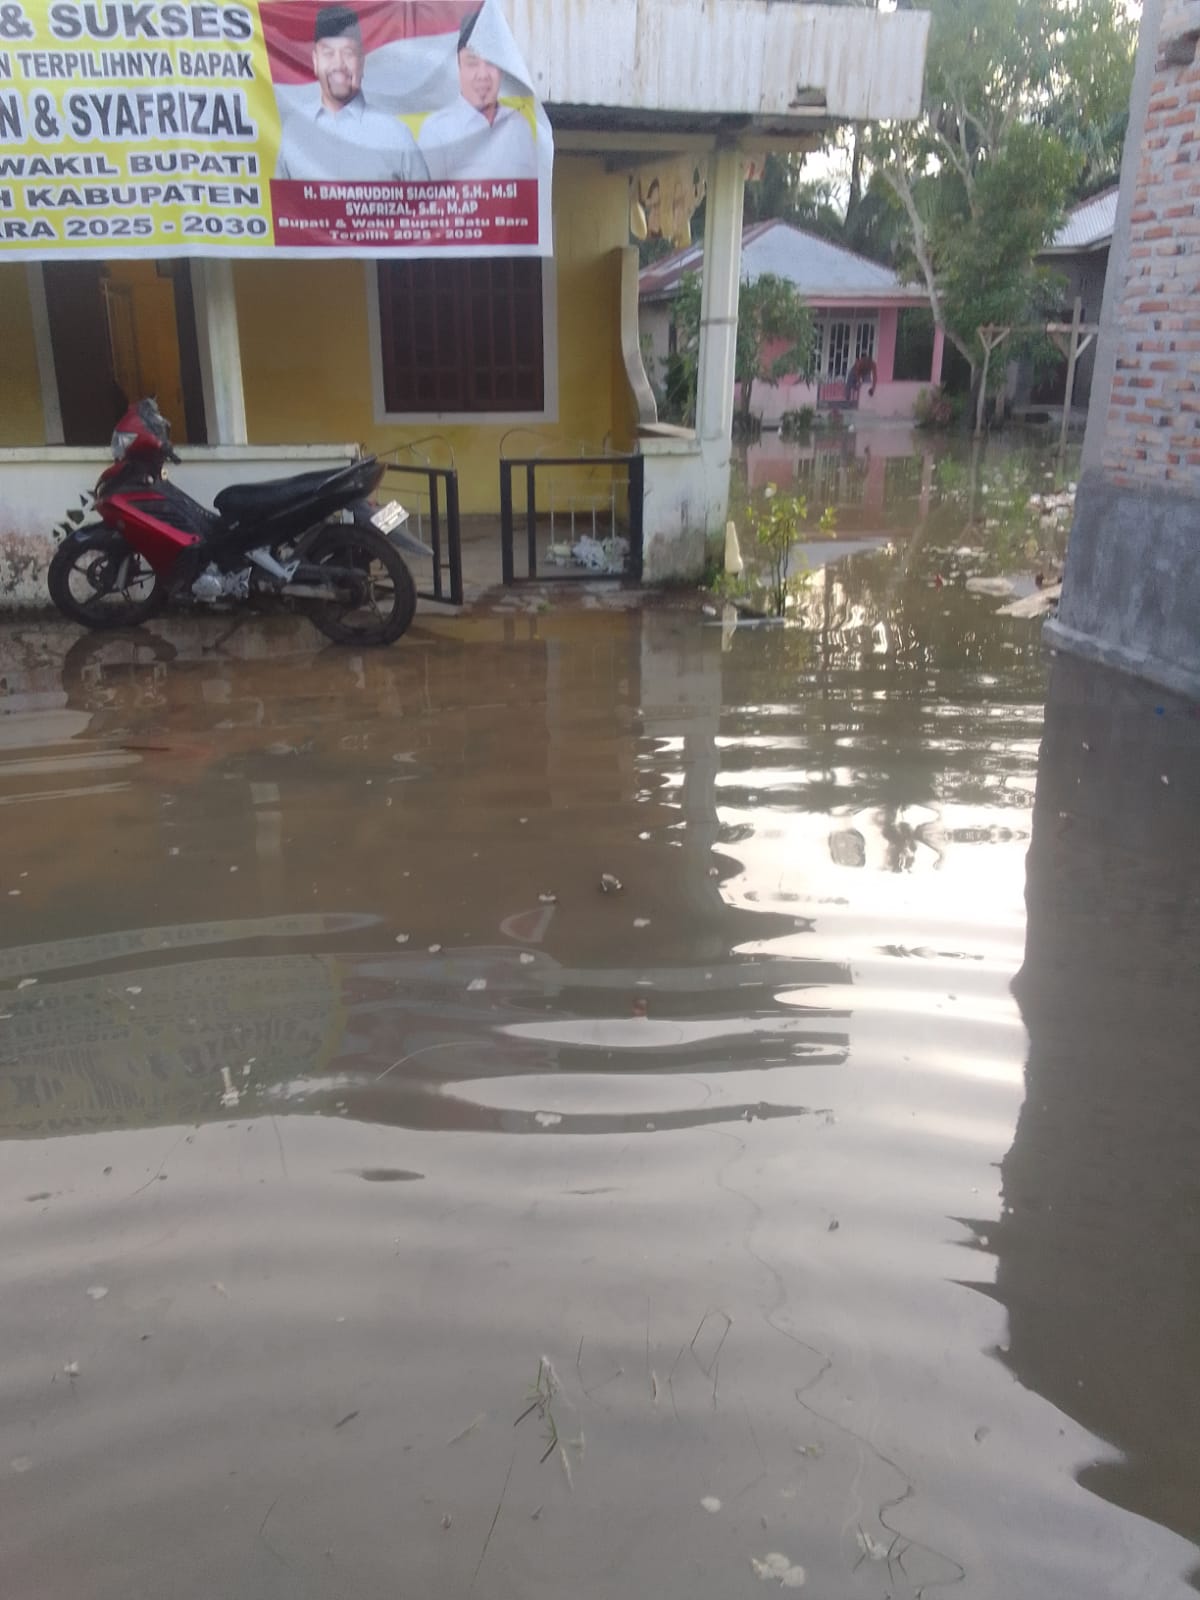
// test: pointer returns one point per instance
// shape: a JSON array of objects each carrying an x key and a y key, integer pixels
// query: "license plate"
[{"x": 389, "y": 517}]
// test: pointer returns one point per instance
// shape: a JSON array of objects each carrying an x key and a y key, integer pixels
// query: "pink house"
[{"x": 860, "y": 308}]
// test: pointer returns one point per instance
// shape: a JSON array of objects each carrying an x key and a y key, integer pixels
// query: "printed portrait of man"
[
  {"x": 477, "y": 137},
  {"x": 340, "y": 135}
]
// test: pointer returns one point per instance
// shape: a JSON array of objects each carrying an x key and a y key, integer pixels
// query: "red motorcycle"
[{"x": 313, "y": 538}]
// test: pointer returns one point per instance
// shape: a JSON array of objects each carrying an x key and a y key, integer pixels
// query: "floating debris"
[
  {"x": 476, "y": 984},
  {"x": 641, "y": 922},
  {"x": 609, "y": 884},
  {"x": 547, "y": 1119},
  {"x": 97, "y": 1292},
  {"x": 526, "y": 959},
  {"x": 548, "y": 899},
  {"x": 71, "y": 1368},
  {"x": 778, "y": 1568},
  {"x": 872, "y": 1549},
  {"x": 711, "y": 1504}
]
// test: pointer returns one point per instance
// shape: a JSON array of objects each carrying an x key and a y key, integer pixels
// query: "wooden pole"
[
  {"x": 1072, "y": 358},
  {"x": 982, "y": 401}
]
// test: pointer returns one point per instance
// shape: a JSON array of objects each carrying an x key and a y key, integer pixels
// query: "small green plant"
[
  {"x": 731, "y": 586},
  {"x": 793, "y": 424},
  {"x": 934, "y": 408},
  {"x": 828, "y": 522},
  {"x": 775, "y": 526}
]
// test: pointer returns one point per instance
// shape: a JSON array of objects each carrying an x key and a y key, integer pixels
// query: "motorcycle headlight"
[{"x": 120, "y": 444}]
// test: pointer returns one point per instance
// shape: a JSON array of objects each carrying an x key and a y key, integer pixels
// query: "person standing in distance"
[
  {"x": 342, "y": 137},
  {"x": 477, "y": 137}
]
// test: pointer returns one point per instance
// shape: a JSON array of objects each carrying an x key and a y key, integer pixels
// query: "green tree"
[
  {"x": 774, "y": 338},
  {"x": 982, "y": 177}
]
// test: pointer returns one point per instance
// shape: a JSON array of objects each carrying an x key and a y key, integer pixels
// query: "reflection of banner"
[{"x": 287, "y": 127}]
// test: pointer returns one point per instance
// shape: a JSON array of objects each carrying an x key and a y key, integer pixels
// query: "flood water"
[{"x": 386, "y": 1210}]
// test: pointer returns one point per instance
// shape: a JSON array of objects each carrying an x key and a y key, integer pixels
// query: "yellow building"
[{"x": 271, "y": 366}]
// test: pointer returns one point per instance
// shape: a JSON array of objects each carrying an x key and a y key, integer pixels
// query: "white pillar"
[
  {"x": 718, "y": 328},
  {"x": 47, "y": 375},
  {"x": 220, "y": 350}
]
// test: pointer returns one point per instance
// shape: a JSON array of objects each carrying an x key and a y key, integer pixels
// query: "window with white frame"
[
  {"x": 843, "y": 341},
  {"x": 837, "y": 349}
]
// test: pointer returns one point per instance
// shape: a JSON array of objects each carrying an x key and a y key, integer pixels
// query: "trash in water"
[
  {"x": 402, "y": 938},
  {"x": 26, "y": 983},
  {"x": 872, "y": 1549},
  {"x": 476, "y": 984},
  {"x": 71, "y": 1369},
  {"x": 97, "y": 1292},
  {"x": 1001, "y": 587},
  {"x": 777, "y": 1568},
  {"x": 711, "y": 1504},
  {"x": 435, "y": 949},
  {"x": 641, "y": 922},
  {"x": 547, "y": 1119},
  {"x": 548, "y": 899},
  {"x": 231, "y": 1096},
  {"x": 609, "y": 884},
  {"x": 526, "y": 959},
  {"x": 834, "y": 1225}
]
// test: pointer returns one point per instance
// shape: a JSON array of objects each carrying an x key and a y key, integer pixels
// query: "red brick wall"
[{"x": 1153, "y": 425}]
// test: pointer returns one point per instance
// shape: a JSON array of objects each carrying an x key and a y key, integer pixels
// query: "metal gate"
[
  {"x": 438, "y": 517},
  {"x": 592, "y": 505}
]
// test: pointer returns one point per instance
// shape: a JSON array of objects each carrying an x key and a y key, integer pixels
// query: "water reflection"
[
  {"x": 1099, "y": 1240},
  {"x": 355, "y": 1094}
]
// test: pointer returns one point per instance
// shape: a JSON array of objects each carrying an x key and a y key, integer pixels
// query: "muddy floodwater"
[{"x": 388, "y": 1210}]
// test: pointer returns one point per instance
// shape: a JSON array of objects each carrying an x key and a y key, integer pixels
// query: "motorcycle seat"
[{"x": 251, "y": 502}]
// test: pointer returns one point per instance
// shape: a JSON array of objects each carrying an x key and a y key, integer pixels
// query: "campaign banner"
[{"x": 268, "y": 127}]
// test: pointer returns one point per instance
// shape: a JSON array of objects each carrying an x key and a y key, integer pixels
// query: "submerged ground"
[{"x": 387, "y": 1210}]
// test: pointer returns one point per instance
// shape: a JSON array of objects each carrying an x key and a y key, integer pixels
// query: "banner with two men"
[{"x": 268, "y": 127}]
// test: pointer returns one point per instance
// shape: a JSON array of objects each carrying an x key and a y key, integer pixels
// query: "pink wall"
[
  {"x": 885, "y": 347},
  {"x": 770, "y": 401}
]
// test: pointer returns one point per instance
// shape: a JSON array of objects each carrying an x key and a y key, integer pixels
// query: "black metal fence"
[
  {"x": 434, "y": 518},
  {"x": 591, "y": 509}
]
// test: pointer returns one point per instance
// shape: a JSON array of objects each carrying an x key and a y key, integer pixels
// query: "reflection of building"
[
  {"x": 859, "y": 307},
  {"x": 878, "y": 478},
  {"x": 326, "y": 782},
  {"x": 1098, "y": 1247},
  {"x": 272, "y": 361}
]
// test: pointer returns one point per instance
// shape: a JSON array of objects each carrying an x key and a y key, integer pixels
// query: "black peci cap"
[
  {"x": 335, "y": 21},
  {"x": 468, "y": 28}
]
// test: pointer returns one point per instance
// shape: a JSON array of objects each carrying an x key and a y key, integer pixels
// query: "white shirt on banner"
[
  {"x": 354, "y": 143},
  {"x": 460, "y": 143}
]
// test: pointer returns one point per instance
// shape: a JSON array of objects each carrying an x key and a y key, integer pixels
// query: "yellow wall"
[
  {"x": 306, "y": 359},
  {"x": 21, "y": 420}
]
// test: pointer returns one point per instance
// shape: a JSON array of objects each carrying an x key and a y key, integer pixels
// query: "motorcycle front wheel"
[
  {"x": 96, "y": 578},
  {"x": 385, "y": 600}
]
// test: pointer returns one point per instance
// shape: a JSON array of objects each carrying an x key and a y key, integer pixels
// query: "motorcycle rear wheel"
[
  {"x": 389, "y": 600},
  {"x": 84, "y": 574}
]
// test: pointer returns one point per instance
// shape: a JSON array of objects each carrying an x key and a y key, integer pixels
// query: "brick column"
[{"x": 1131, "y": 596}]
